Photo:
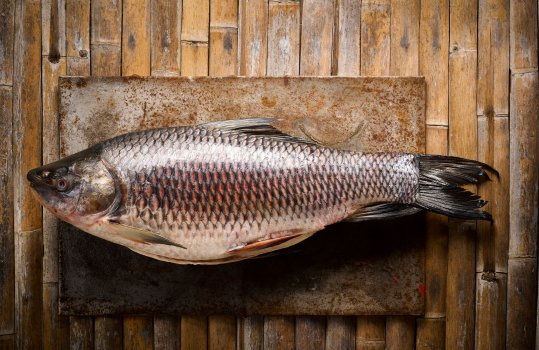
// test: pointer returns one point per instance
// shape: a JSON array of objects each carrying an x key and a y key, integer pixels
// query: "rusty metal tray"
[{"x": 347, "y": 269}]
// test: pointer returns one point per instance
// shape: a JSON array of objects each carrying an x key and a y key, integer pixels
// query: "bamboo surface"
[{"x": 480, "y": 61}]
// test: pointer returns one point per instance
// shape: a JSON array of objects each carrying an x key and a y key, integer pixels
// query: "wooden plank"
[
  {"x": 106, "y": 37},
  {"x": 400, "y": 333},
  {"x": 430, "y": 334},
  {"x": 27, "y": 155},
  {"x": 405, "y": 20},
  {"x": 348, "y": 32},
  {"x": 375, "y": 37},
  {"x": 370, "y": 333},
  {"x": 434, "y": 58},
  {"x": 138, "y": 333},
  {"x": 53, "y": 38},
  {"x": 81, "y": 332},
  {"x": 108, "y": 333},
  {"x": 253, "y": 36},
  {"x": 7, "y": 26},
  {"x": 194, "y": 332},
  {"x": 194, "y": 60},
  {"x": 7, "y": 245},
  {"x": 341, "y": 332},
  {"x": 316, "y": 37},
  {"x": 490, "y": 311},
  {"x": 7, "y": 342},
  {"x": 278, "y": 333},
  {"x": 78, "y": 37},
  {"x": 521, "y": 303},
  {"x": 310, "y": 332},
  {"x": 223, "y": 51},
  {"x": 523, "y": 34},
  {"x": 165, "y": 37},
  {"x": 251, "y": 333},
  {"x": 55, "y": 327},
  {"x": 166, "y": 332},
  {"x": 283, "y": 38},
  {"x": 136, "y": 38},
  {"x": 195, "y": 20},
  {"x": 221, "y": 332}
]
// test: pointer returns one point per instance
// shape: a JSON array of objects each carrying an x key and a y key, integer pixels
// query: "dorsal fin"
[{"x": 254, "y": 126}]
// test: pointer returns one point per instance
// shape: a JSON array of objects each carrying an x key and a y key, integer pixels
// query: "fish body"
[{"x": 227, "y": 191}]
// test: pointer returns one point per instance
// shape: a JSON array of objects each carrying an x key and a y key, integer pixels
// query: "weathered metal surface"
[{"x": 348, "y": 269}]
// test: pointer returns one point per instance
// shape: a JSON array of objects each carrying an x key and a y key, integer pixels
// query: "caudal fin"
[{"x": 440, "y": 178}]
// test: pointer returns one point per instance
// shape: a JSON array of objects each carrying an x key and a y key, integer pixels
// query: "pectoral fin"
[{"x": 141, "y": 236}]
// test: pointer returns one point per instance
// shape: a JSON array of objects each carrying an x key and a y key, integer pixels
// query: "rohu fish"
[{"x": 226, "y": 191}]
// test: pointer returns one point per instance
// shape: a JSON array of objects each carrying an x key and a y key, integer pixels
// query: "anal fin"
[
  {"x": 382, "y": 211},
  {"x": 261, "y": 245}
]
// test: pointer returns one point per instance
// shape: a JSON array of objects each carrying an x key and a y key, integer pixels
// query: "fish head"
[{"x": 77, "y": 189}]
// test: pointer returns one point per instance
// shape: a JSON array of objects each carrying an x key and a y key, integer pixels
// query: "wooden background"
[{"x": 480, "y": 60}]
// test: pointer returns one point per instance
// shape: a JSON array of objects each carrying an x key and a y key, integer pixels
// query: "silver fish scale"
[{"x": 195, "y": 182}]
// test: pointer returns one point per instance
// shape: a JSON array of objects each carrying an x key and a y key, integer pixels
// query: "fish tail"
[{"x": 440, "y": 181}]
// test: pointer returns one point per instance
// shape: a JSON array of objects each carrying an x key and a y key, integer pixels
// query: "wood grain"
[
  {"x": 316, "y": 37},
  {"x": 27, "y": 155},
  {"x": 7, "y": 245},
  {"x": 375, "y": 37},
  {"x": 370, "y": 333},
  {"x": 279, "y": 333},
  {"x": 405, "y": 20},
  {"x": 108, "y": 333},
  {"x": 53, "y": 33},
  {"x": 434, "y": 59},
  {"x": 136, "y": 37},
  {"x": 7, "y": 342},
  {"x": 430, "y": 334},
  {"x": 166, "y": 332},
  {"x": 341, "y": 332},
  {"x": 55, "y": 326},
  {"x": 223, "y": 51},
  {"x": 283, "y": 38},
  {"x": 222, "y": 332},
  {"x": 194, "y": 332},
  {"x": 78, "y": 37},
  {"x": 81, "y": 333},
  {"x": 106, "y": 37},
  {"x": 347, "y": 47},
  {"x": 7, "y": 27},
  {"x": 195, "y": 20},
  {"x": 400, "y": 332},
  {"x": 138, "y": 333},
  {"x": 490, "y": 311},
  {"x": 253, "y": 37},
  {"x": 310, "y": 332},
  {"x": 251, "y": 333},
  {"x": 194, "y": 61},
  {"x": 165, "y": 37}
]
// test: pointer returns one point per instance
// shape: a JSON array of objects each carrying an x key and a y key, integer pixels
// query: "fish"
[{"x": 231, "y": 190}]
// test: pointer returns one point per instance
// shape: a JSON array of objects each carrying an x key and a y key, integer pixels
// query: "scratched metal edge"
[{"x": 85, "y": 306}]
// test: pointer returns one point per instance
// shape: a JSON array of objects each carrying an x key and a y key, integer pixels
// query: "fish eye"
[{"x": 62, "y": 185}]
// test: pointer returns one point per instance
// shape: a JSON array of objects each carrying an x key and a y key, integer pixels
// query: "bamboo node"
[{"x": 489, "y": 276}]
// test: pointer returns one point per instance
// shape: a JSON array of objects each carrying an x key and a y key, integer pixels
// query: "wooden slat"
[
  {"x": 430, "y": 334},
  {"x": 138, "y": 332},
  {"x": 222, "y": 332},
  {"x": 348, "y": 34},
  {"x": 375, "y": 37},
  {"x": 251, "y": 333},
  {"x": 106, "y": 37},
  {"x": 55, "y": 327},
  {"x": 7, "y": 26},
  {"x": 7, "y": 262},
  {"x": 78, "y": 37},
  {"x": 81, "y": 333},
  {"x": 165, "y": 41},
  {"x": 53, "y": 35},
  {"x": 27, "y": 155},
  {"x": 223, "y": 51},
  {"x": 400, "y": 332},
  {"x": 278, "y": 333},
  {"x": 7, "y": 342},
  {"x": 405, "y": 15},
  {"x": 370, "y": 333},
  {"x": 136, "y": 37},
  {"x": 194, "y": 60},
  {"x": 283, "y": 38},
  {"x": 316, "y": 37},
  {"x": 108, "y": 333},
  {"x": 434, "y": 58},
  {"x": 166, "y": 332},
  {"x": 253, "y": 37},
  {"x": 341, "y": 332},
  {"x": 194, "y": 332},
  {"x": 195, "y": 20},
  {"x": 490, "y": 311},
  {"x": 310, "y": 332}
]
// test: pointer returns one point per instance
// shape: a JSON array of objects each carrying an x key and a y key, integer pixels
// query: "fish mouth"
[{"x": 37, "y": 177}]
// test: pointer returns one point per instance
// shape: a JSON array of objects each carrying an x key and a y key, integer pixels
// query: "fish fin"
[
  {"x": 265, "y": 244},
  {"x": 140, "y": 235},
  {"x": 254, "y": 126},
  {"x": 440, "y": 178},
  {"x": 382, "y": 211}
]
